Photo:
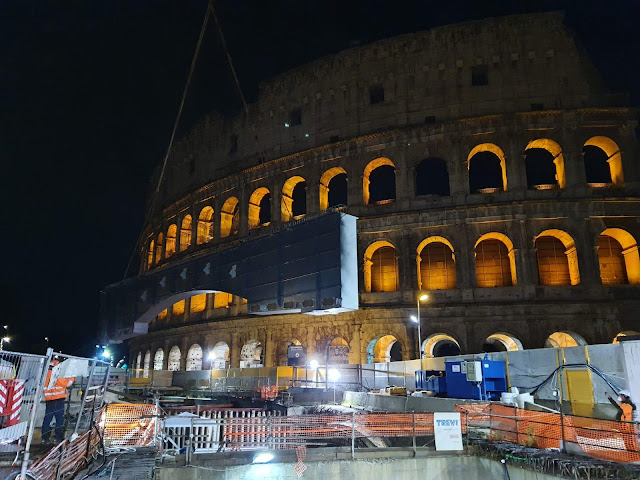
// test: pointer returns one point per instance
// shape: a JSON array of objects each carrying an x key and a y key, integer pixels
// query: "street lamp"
[
  {"x": 422, "y": 298},
  {"x": 334, "y": 376}
]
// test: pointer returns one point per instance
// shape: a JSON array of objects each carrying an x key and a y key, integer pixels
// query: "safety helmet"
[
  {"x": 55, "y": 362},
  {"x": 625, "y": 392}
]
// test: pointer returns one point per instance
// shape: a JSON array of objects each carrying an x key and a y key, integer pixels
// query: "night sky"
[{"x": 88, "y": 95}]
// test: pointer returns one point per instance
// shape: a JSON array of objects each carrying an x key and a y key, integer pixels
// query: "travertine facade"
[{"x": 516, "y": 203}]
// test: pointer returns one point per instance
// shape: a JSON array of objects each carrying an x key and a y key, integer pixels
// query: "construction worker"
[
  {"x": 54, "y": 398},
  {"x": 627, "y": 411}
]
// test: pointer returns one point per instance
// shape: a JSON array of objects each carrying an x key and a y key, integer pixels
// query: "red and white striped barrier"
[{"x": 14, "y": 405}]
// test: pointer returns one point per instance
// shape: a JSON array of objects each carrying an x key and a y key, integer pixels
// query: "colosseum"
[{"x": 493, "y": 176}]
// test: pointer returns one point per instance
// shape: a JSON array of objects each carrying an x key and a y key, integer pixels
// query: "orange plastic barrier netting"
[
  {"x": 131, "y": 425},
  {"x": 604, "y": 439},
  {"x": 65, "y": 458}
]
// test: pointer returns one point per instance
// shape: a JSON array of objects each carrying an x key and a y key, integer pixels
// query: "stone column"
[
  {"x": 235, "y": 350},
  {"x": 268, "y": 349}
]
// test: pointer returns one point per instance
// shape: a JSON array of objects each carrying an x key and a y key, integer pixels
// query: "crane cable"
[{"x": 175, "y": 128}]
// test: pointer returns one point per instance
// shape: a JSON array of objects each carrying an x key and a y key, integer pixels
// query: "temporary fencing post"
[
  {"x": 413, "y": 425},
  {"x": 466, "y": 422},
  {"x": 270, "y": 433},
  {"x": 515, "y": 412},
  {"x": 105, "y": 386},
  {"x": 36, "y": 401},
  {"x": 353, "y": 435},
  {"x": 563, "y": 449},
  {"x": 84, "y": 399}
]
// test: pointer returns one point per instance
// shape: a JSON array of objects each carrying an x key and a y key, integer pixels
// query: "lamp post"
[{"x": 422, "y": 298}]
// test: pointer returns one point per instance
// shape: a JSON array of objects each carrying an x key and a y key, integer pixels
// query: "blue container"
[
  {"x": 493, "y": 383},
  {"x": 431, "y": 380}
]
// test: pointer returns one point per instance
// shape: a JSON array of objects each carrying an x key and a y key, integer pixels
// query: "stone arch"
[
  {"x": 325, "y": 188},
  {"x": 170, "y": 242},
  {"x": 194, "y": 358},
  {"x": 626, "y": 333},
  {"x": 229, "y": 217},
  {"x": 219, "y": 355},
  {"x": 291, "y": 208},
  {"x": 384, "y": 349},
  {"x": 502, "y": 342},
  {"x": 440, "y": 345},
  {"x": 150, "y": 252},
  {"x": 495, "y": 261},
  {"x": 146, "y": 364},
  {"x": 259, "y": 208},
  {"x": 432, "y": 177},
  {"x": 488, "y": 170},
  {"x": 205, "y": 226},
  {"x": 618, "y": 252},
  {"x": 138, "y": 366},
  {"x": 174, "y": 359},
  {"x": 380, "y": 267},
  {"x": 366, "y": 180},
  {"x": 564, "y": 339},
  {"x": 602, "y": 168},
  {"x": 251, "y": 354},
  {"x": 185, "y": 233},
  {"x": 338, "y": 351},
  {"x": 159, "y": 244},
  {"x": 282, "y": 350},
  {"x": 436, "y": 264},
  {"x": 557, "y": 258},
  {"x": 158, "y": 359},
  {"x": 544, "y": 164}
]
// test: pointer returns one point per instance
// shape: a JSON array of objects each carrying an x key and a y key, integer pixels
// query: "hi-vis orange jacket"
[{"x": 59, "y": 389}]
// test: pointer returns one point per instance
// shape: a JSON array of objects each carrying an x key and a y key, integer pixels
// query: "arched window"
[
  {"x": 333, "y": 188},
  {"x": 602, "y": 162},
  {"x": 379, "y": 181},
  {"x": 159, "y": 244},
  {"x": 338, "y": 353},
  {"x": 138, "y": 369},
  {"x": 185, "y": 233},
  {"x": 170, "y": 246},
  {"x": 557, "y": 258},
  {"x": 158, "y": 359},
  {"x": 495, "y": 261},
  {"x": 501, "y": 342},
  {"x": 150, "y": 252},
  {"x": 205, "y": 226},
  {"x": 436, "y": 264},
  {"x": 487, "y": 169},
  {"x": 147, "y": 364},
  {"x": 618, "y": 257},
  {"x": 564, "y": 339},
  {"x": 198, "y": 303},
  {"x": 194, "y": 358},
  {"x": 544, "y": 164},
  {"x": 219, "y": 355},
  {"x": 432, "y": 177},
  {"x": 229, "y": 218},
  {"x": 174, "y": 359},
  {"x": 440, "y": 345},
  {"x": 178, "y": 308},
  {"x": 282, "y": 354},
  {"x": 259, "y": 208},
  {"x": 294, "y": 199},
  {"x": 380, "y": 268},
  {"x": 628, "y": 333},
  {"x": 251, "y": 354},
  {"x": 384, "y": 349}
]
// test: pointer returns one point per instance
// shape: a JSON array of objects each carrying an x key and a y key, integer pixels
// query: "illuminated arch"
[
  {"x": 174, "y": 359},
  {"x": 627, "y": 333},
  {"x": 282, "y": 354},
  {"x": 613, "y": 157},
  {"x": 251, "y": 354},
  {"x": 138, "y": 368},
  {"x": 147, "y": 364},
  {"x": 383, "y": 266},
  {"x": 384, "y": 349},
  {"x": 229, "y": 218},
  {"x": 556, "y": 152},
  {"x": 325, "y": 180},
  {"x": 505, "y": 341},
  {"x": 158, "y": 359},
  {"x": 366, "y": 181},
  {"x": 287, "y": 206},
  {"x": 256, "y": 215},
  {"x": 198, "y": 303},
  {"x": 338, "y": 353},
  {"x": 495, "y": 261},
  {"x": 436, "y": 264},
  {"x": 629, "y": 258},
  {"x": 159, "y": 244},
  {"x": 150, "y": 252},
  {"x": 219, "y": 355},
  {"x": 205, "y": 226},
  {"x": 178, "y": 308},
  {"x": 564, "y": 339},
  {"x": 185, "y": 233},
  {"x": 194, "y": 358},
  {"x": 440, "y": 345},
  {"x": 557, "y": 265},
  {"x": 497, "y": 151},
  {"x": 170, "y": 243}
]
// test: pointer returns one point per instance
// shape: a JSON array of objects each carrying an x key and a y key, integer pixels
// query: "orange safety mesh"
[
  {"x": 128, "y": 425},
  {"x": 66, "y": 458}
]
